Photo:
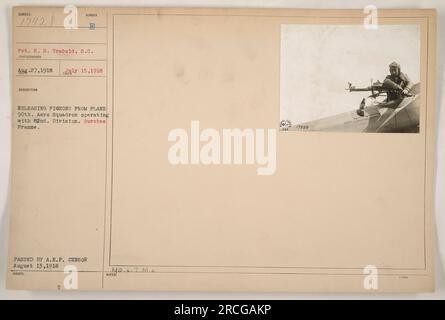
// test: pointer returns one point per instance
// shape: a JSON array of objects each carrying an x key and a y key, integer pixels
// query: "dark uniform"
[{"x": 397, "y": 82}]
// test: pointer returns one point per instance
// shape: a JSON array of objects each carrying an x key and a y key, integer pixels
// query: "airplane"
[{"x": 375, "y": 114}]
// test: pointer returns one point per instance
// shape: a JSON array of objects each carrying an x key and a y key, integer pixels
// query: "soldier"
[{"x": 398, "y": 82}]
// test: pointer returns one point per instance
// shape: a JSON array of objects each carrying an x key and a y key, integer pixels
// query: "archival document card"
[{"x": 222, "y": 149}]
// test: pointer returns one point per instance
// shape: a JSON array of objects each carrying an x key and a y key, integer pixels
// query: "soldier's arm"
[
  {"x": 388, "y": 83},
  {"x": 408, "y": 82}
]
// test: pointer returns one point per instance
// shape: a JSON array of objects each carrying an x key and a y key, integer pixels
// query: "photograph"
[
  {"x": 232, "y": 159},
  {"x": 347, "y": 78}
]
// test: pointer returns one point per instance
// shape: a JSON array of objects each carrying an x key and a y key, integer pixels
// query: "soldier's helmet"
[{"x": 395, "y": 65}]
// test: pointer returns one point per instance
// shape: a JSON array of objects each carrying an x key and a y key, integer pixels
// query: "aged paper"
[{"x": 222, "y": 150}]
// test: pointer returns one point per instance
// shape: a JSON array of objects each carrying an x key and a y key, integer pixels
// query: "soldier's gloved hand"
[{"x": 405, "y": 92}]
